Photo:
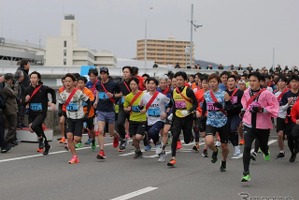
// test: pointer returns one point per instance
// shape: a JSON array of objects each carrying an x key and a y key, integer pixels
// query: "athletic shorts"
[
  {"x": 74, "y": 126},
  {"x": 106, "y": 116},
  {"x": 280, "y": 124},
  {"x": 223, "y": 132},
  {"x": 137, "y": 128}
]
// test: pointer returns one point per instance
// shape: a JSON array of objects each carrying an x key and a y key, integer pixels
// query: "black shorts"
[
  {"x": 89, "y": 123},
  {"x": 74, "y": 126},
  {"x": 223, "y": 132},
  {"x": 280, "y": 124},
  {"x": 137, "y": 128}
]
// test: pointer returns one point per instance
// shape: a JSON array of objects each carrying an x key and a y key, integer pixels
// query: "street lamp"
[
  {"x": 195, "y": 26},
  {"x": 145, "y": 40}
]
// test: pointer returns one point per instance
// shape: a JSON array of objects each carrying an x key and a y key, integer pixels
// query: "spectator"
[
  {"x": 220, "y": 67},
  {"x": 10, "y": 92},
  {"x": 155, "y": 65},
  {"x": 19, "y": 77},
  {"x": 177, "y": 65}
]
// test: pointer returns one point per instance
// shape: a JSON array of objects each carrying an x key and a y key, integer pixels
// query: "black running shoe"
[
  {"x": 46, "y": 151},
  {"x": 293, "y": 157},
  {"x": 138, "y": 154},
  {"x": 223, "y": 166},
  {"x": 253, "y": 156},
  {"x": 205, "y": 153},
  {"x": 280, "y": 155},
  {"x": 214, "y": 156}
]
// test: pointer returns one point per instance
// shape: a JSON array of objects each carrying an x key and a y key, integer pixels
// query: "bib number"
[
  {"x": 103, "y": 95},
  {"x": 135, "y": 109},
  {"x": 180, "y": 104},
  {"x": 72, "y": 107},
  {"x": 211, "y": 107},
  {"x": 36, "y": 106},
  {"x": 153, "y": 112}
]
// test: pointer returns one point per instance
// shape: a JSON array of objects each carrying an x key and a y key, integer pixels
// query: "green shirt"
[{"x": 135, "y": 114}]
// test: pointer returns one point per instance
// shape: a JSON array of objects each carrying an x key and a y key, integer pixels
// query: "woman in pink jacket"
[{"x": 259, "y": 105}]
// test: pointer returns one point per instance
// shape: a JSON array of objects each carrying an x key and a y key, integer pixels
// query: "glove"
[
  {"x": 218, "y": 105},
  {"x": 170, "y": 117},
  {"x": 140, "y": 107},
  {"x": 257, "y": 109},
  {"x": 185, "y": 112}
]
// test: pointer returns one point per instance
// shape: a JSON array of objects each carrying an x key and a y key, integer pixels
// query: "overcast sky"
[{"x": 234, "y": 31}]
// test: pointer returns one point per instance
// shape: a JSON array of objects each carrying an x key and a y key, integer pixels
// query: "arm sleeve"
[
  {"x": 273, "y": 106},
  {"x": 191, "y": 95}
]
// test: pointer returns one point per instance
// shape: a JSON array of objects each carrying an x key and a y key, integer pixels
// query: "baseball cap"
[{"x": 104, "y": 69}]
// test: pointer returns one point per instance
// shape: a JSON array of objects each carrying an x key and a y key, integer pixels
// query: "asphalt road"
[{"x": 28, "y": 175}]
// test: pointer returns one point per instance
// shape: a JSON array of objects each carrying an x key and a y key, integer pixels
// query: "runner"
[
  {"x": 288, "y": 100},
  {"x": 295, "y": 131},
  {"x": 154, "y": 104},
  {"x": 259, "y": 105},
  {"x": 36, "y": 96},
  {"x": 280, "y": 121},
  {"x": 107, "y": 91},
  {"x": 88, "y": 110},
  {"x": 215, "y": 102},
  {"x": 233, "y": 113},
  {"x": 72, "y": 98},
  {"x": 137, "y": 123},
  {"x": 122, "y": 115},
  {"x": 184, "y": 105}
]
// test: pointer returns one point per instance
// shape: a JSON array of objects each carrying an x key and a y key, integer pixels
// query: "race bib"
[
  {"x": 180, "y": 104},
  {"x": 211, "y": 107},
  {"x": 103, "y": 95},
  {"x": 153, "y": 112},
  {"x": 135, "y": 109},
  {"x": 36, "y": 107},
  {"x": 72, "y": 107}
]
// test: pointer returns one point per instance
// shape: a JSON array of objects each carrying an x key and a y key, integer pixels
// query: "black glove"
[
  {"x": 140, "y": 107},
  {"x": 257, "y": 109},
  {"x": 218, "y": 105}
]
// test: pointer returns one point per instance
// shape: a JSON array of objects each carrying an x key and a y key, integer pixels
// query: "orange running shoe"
[
  {"x": 74, "y": 160},
  {"x": 40, "y": 150},
  {"x": 62, "y": 140},
  {"x": 242, "y": 142},
  {"x": 171, "y": 163},
  {"x": 178, "y": 144}
]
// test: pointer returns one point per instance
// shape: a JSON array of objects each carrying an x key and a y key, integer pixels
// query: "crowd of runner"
[{"x": 222, "y": 109}]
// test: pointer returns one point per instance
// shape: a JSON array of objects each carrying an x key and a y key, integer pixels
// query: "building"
[
  {"x": 63, "y": 50},
  {"x": 12, "y": 51},
  {"x": 165, "y": 52}
]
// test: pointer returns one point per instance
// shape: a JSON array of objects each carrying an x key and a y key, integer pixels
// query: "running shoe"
[
  {"x": 74, "y": 160},
  {"x": 196, "y": 148},
  {"x": 171, "y": 163},
  {"x": 205, "y": 153},
  {"x": 62, "y": 140},
  {"x": 78, "y": 145},
  {"x": 138, "y": 154},
  {"x": 214, "y": 156},
  {"x": 41, "y": 143},
  {"x": 88, "y": 142},
  {"x": 246, "y": 178},
  {"x": 178, "y": 144},
  {"x": 46, "y": 151},
  {"x": 5, "y": 149},
  {"x": 280, "y": 155},
  {"x": 223, "y": 166},
  {"x": 253, "y": 156},
  {"x": 237, "y": 151},
  {"x": 115, "y": 142},
  {"x": 162, "y": 156},
  {"x": 101, "y": 155},
  {"x": 293, "y": 157},
  {"x": 40, "y": 150},
  {"x": 159, "y": 148},
  {"x": 267, "y": 157},
  {"x": 122, "y": 145},
  {"x": 147, "y": 147},
  {"x": 242, "y": 142}
]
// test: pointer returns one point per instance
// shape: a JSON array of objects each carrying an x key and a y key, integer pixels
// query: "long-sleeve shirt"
[
  {"x": 295, "y": 112},
  {"x": 266, "y": 100}
]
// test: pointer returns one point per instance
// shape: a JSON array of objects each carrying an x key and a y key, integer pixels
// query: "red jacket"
[{"x": 295, "y": 112}]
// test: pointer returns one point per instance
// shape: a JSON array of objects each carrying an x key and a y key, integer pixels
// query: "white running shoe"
[
  {"x": 217, "y": 144},
  {"x": 162, "y": 156},
  {"x": 159, "y": 148},
  {"x": 237, "y": 151}
]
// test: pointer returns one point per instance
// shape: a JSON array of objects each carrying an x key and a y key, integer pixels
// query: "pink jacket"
[{"x": 268, "y": 101}]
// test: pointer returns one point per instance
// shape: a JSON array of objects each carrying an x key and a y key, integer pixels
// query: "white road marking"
[
  {"x": 41, "y": 155},
  {"x": 135, "y": 193}
]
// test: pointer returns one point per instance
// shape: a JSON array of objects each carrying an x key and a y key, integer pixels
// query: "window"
[
  {"x": 64, "y": 61},
  {"x": 64, "y": 52},
  {"x": 65, "y": 43}
]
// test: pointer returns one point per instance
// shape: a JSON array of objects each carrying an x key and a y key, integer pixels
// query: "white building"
[{"x": 63, "y": 50}]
